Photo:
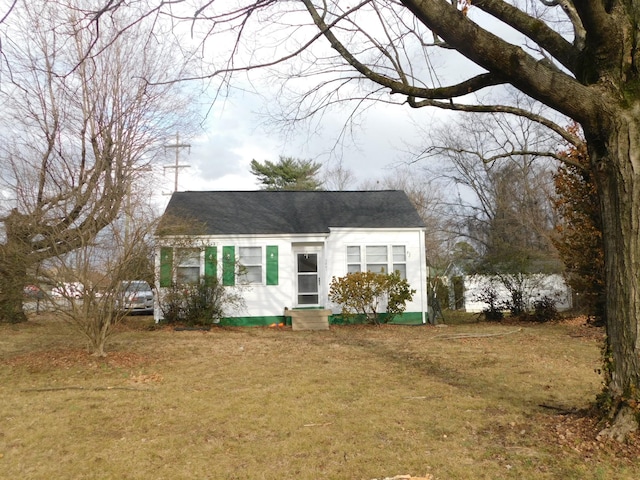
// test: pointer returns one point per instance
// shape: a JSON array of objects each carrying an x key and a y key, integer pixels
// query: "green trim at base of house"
[
  {"x": 266, "y": 321},
  {"x": 407, "y": 318}
]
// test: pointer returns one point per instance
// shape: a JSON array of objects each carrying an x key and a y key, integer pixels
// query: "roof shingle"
[{"x": 291, "y": 212}]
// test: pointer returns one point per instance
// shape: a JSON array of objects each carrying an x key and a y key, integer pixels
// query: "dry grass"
[{"x": 349, "y": 403}]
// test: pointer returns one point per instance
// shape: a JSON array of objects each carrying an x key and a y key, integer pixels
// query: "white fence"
[{"x": 534, "y": 287}]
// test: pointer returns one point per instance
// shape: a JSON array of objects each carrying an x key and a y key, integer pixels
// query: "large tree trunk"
[
  {"x": 617, "y": 167},
  {"x": 12, "y": 282},
  {"x": 14, "y": 256}
]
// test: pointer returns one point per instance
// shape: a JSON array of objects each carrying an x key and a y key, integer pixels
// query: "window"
[
  {"x": 251, "y": 260},
  {"x": 187, "y": 265},
  {"x": 400, "y": 260},
  {"x": 353, "y": 259},
  {"x": 377, "y": 259}
]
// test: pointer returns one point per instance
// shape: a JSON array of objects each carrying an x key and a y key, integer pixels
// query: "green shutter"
[
  {"x": 272, "y": 265},
  {"x": 166, "y": 266},
  {"x": 228, "y": 266},
  {"x": 210, "y": 263}
]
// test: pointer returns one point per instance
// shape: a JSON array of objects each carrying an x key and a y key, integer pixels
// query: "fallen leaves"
[
  {"x": 578, "y": 431},
  {"x": 66, "y": 358}
]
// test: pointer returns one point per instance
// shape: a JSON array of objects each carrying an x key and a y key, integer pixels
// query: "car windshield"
[{"x": 136, "y": 286}]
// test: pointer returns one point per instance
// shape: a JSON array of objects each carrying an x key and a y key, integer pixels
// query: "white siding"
[
  {"x": 270, "y": 300},
  {"x": 412, "y": 239}
]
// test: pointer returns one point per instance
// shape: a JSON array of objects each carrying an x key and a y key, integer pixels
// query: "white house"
[{"x": 290, "y": 244}]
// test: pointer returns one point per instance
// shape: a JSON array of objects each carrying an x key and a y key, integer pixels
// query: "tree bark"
[
  {"x": 617, "y": 167},
  {"x": 12, "y": 282},
  {"x": 13, "y": 267}
]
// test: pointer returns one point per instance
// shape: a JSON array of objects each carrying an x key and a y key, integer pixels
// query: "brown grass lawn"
[{"x": 468, "y": 401}]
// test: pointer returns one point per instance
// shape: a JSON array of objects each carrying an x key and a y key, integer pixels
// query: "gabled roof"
[{"x": 288, "y": 212}]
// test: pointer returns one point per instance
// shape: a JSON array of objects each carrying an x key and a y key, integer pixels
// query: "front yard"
[{"x": 481, "y": 401}]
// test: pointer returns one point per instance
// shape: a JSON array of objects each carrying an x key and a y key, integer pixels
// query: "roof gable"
[{"x": 288, "y": 212}]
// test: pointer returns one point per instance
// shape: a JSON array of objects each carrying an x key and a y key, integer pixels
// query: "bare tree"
[
  {"x": 502, "y": 174},
  {"x": 426, "y": 195},
  {"x": 578, "y": 58},
  {"x": 338, "y": 178},
  {"x": 100, "y": 271},
  {"x": 75, "y": 133}
]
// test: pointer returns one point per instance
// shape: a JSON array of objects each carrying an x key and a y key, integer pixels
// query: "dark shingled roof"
[{"x": 289, "y": 212}]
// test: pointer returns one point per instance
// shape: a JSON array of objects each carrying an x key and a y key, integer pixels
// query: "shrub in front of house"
[
  {"x": 172, "y": 304},
  {"x": 202, "y": 304},
  {"x": 365, "y": 294}
]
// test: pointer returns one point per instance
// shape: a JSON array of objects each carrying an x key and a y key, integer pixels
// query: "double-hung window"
[
  {"x": 250, "y": 259},
  {"x": 377, "y": 261},
  {"x": 187, "y": 265},
  {"x": 353, "y": 259}
]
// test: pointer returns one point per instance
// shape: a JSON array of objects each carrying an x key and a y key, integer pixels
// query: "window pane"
[
  {"x": 307, "y": 299},
  {"x": 188, "y": 257},
  {"x": 190, "y": 275},
  {"x": 377, "y": 254},
  {"x": 377, "y": 267},
  {"x": 307, "y": 283},
  {"x": 252, "y": 274},
  {"x": 307, "y": 262},
  {"x": 402, "y": 268},
  {"x": 353, "y": 254},
  {"x": 250, "y": 255},
  {"x": 399, "y": 253},
  {"x": 353, "y": 268}
]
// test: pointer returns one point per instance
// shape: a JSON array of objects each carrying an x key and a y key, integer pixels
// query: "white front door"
[{"x": 308, "y": 281}]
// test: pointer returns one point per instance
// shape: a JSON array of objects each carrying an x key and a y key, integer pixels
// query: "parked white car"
[
  {"x": 68, "y": 290},
  {"x": 137, "y": 297}
]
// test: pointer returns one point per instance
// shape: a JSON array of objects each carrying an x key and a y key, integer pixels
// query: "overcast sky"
[{"x": 234, "y": 134}]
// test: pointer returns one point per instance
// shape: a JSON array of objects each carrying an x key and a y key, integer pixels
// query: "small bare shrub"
[
  {"x": 544, "y": 309},
  {"x": 493, "y": 311},
  {"x": 204, "y": 303}
]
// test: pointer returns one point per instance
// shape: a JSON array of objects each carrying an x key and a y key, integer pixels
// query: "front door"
[{"x": 308, "y": 279}]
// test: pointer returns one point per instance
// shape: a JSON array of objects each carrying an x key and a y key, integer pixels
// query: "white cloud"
[{"x": 220, "y": 158}]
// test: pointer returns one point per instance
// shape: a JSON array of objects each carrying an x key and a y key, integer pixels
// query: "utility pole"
[{"x": 177, "y": 165}]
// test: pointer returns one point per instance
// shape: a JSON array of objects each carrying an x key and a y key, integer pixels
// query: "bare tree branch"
[{"x": 536, "y": 29}]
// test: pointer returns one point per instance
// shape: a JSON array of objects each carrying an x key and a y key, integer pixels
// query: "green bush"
[{"x": 365, "y": 293}]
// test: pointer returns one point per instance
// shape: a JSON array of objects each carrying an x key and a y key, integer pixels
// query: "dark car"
[{"x": 137, "y": 297}]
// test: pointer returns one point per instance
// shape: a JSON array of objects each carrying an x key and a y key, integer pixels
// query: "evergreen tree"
[{"x": 287, "y": 174}]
